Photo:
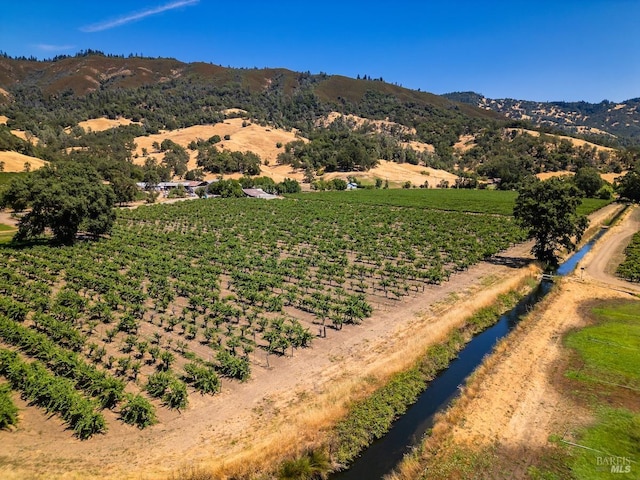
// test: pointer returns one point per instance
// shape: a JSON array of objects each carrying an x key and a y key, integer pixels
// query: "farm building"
[
  {"x": 258, "y": 193},
  {"x": 189, "y": 185}
]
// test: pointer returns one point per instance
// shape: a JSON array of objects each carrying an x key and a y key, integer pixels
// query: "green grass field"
[
  {"x": 611, "y": 349},
  {"x": 474, "y": 201},
  {"x": 6, "y": 233},
  {"x": 610, "y": 381}
]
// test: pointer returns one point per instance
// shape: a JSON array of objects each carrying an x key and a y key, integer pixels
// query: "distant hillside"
[
  {"x": 84, "y": 74},
  {"x": 109, "y": 111},
  {"x": 47, "y": 97},
  {"x": 613, "y": 124}
]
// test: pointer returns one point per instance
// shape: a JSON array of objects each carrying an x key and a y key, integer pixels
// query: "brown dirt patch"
[
  {"x": 602, "y": 261},
  {"x": 7, "y": 219},
  {"x": 3, "y": 119}
]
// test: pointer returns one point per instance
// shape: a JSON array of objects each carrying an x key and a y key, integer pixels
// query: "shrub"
[
  {"x": 231, "y": 366},
  {"x": 176, "y": 396},
  {"x": 158, "y": 383},
  {"x": 203, "y": 379},
  {"x": 138, "y": 411},
  {"x": 8, "y": 410}
]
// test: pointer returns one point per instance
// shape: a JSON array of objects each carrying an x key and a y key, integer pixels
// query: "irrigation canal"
[{"x": 382, "y": 456}]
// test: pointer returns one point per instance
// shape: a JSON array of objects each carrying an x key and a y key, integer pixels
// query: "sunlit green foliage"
[
  {"x": 630, "y": 267},
  {"x": 66, "y": 198},
  {"x": 548, "y": 210},
  {"x": 8, "y": 410}
]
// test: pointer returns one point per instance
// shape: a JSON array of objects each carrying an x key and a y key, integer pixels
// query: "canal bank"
[
  {"x": 385, "y": 453},
  {"x": 514, "y": 412}
]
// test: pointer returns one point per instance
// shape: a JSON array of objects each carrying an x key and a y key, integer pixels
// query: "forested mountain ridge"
[
  {"x": 86, "y": 74},
  {"x": 47, "y": 100},
  {"x": 607, "y": 123},
  {"x": 89, "y": 72}
]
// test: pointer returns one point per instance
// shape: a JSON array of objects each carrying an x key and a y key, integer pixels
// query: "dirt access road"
[
  {"x": 601, "y": 263},
  {"x": 512, "y": 405}
]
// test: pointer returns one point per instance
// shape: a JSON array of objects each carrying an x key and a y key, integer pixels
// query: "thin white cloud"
[
  {"x": 132, "y": 17},
  {"x": 46, "y": 47}
]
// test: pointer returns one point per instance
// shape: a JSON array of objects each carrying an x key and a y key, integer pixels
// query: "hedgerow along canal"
[{"x": 382, "y": 456}]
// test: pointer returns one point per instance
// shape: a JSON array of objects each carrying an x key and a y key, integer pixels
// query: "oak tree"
[
  {"x": 65, "y": 198},
  {"x": 548, "y": 210}
]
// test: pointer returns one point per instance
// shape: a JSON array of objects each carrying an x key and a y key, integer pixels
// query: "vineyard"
[
  {"x": 458, "y": 200},
  {"x": 185, "y": 297},
  {"x": 630, "y": 267}
]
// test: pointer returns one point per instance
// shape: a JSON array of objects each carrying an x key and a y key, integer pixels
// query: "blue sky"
[{"x": 546, "y": 50}]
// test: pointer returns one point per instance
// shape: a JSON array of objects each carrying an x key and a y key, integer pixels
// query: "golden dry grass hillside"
[
  {"x": 101, "y": 124},
  {"x": 576, "y": 142},
  {"x": 398, "y": 173},
  {"x": 255, "y": 138},
  {"x": 607, "y": 177},
  {"x": 356, "y": 121},
  {"x": 465, "y": 143},
  {"x": 379, "y": 126},
  {"x": 26, "y": 136},
  {"x": 395, "y": 173},
  {"x": 15, "y": 162},
  {"x": 264, "y": 140}
]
